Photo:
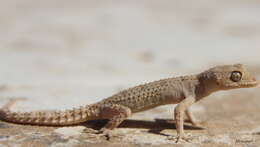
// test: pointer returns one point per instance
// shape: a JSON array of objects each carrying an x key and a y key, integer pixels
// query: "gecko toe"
[
  {"x": 180, "y": 139},
  {"x": 108, "y": 134}
]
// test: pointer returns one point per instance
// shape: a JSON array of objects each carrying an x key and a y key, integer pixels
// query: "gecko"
[{"x": 183, "y": 91}]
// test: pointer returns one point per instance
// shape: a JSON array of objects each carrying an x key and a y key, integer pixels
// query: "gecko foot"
[
  {"x": 108, "y": 134},
  {"x": 198, "y": 125},
  {"x": 180, "y": 138}
]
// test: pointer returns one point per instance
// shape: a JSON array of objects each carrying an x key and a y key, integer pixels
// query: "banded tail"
[{"x": 49, "y": 118}]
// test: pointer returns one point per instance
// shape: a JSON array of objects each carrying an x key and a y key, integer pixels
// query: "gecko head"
[{"x": 231, "y": 77}]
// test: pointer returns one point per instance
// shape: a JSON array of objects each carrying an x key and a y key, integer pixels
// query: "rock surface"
[{"x": 64, "y": 54}]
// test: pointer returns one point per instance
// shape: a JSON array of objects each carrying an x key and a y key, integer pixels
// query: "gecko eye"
[{"x": 236, "y": 76}]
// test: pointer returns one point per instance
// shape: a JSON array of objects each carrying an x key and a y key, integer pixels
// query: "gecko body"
[{"x": 183, "y": 91}]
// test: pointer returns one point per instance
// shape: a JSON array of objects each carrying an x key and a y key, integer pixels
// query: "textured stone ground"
[{"x": 62, "y": 54}]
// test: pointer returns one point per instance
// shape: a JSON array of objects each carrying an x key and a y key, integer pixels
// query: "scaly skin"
[{"x": 183, "y": 91}]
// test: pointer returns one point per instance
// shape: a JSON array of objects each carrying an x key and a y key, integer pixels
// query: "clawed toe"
[
  {"x": 108, "y": 133},
  {"x": 105, "y": 132},
  {"x": 196, "y": 124},
  {"x": 199, "y": 125},
  {"x": 180, "y": 139}
]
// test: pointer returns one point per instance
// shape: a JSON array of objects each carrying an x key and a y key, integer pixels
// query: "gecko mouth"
[
  {"x": 244, "y": 84},
  {"x": 249, "y": 83}
]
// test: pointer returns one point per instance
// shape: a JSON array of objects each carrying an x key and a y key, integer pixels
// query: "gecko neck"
[{"x": 207, "y": 85}]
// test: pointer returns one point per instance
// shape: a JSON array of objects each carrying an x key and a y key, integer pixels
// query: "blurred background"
[{"x": 61, "y": 54}]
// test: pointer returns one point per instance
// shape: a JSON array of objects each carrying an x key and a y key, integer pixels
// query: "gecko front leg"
[
  {"x": 190, "y": 117},
  {"x": 179, "y": 112}
]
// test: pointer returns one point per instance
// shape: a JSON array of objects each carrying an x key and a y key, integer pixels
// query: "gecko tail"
[
  {"x": 5, "y": 110},
  {"x": 11, "y": 102},
  {"x": 49, "y": 118}
]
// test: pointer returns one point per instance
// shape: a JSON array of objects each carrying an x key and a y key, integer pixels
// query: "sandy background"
[{"x": 62, "y": 54}]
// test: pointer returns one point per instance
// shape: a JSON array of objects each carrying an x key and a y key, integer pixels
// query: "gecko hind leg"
[{"x": 116, "y": 115}]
